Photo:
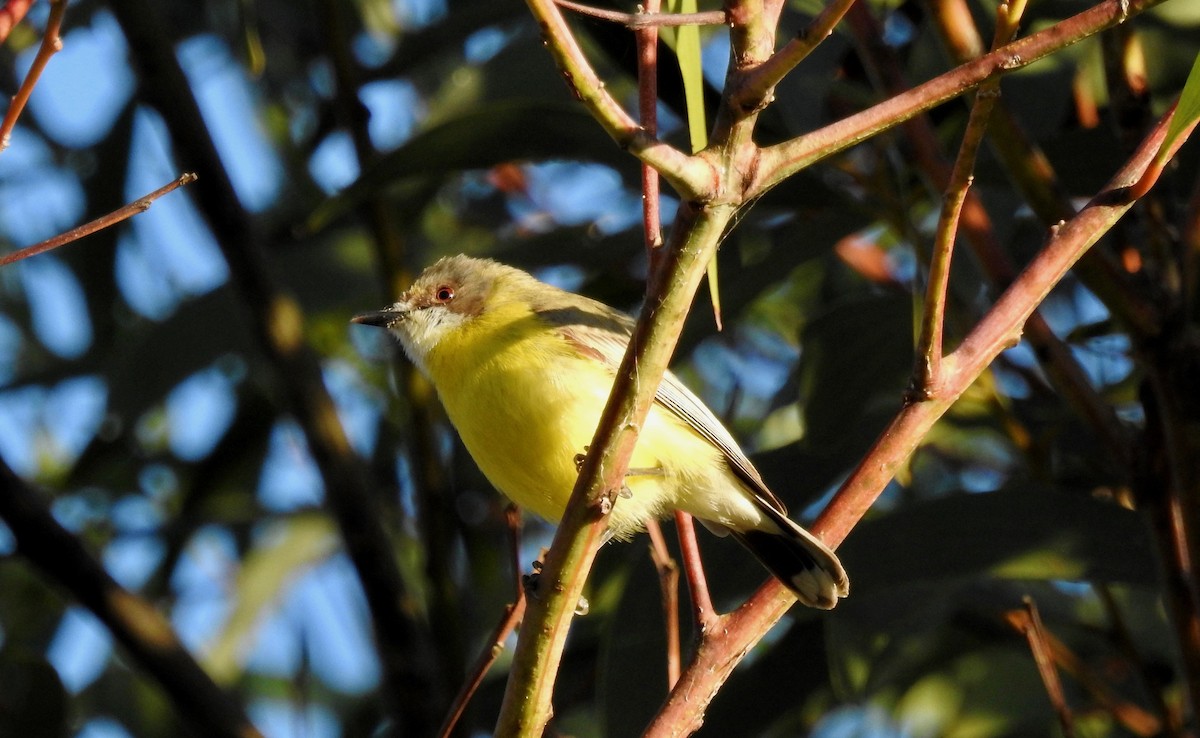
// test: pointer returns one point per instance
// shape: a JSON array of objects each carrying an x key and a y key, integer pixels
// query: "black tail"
[{"x": 805, "y": 565}]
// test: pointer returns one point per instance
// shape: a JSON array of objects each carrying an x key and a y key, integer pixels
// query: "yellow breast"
[{"x": 526, "y": 402}]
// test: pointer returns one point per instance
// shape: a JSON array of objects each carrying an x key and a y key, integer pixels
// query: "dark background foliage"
[{"x": 143, "y": 397}]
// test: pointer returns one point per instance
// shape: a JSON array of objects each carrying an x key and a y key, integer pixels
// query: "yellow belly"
[{"x": 526, "y": 405}]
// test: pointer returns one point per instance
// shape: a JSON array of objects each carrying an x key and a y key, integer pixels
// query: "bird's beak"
[{"x": 382, "y": 318}]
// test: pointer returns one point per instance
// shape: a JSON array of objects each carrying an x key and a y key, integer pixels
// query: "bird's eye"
[{"x": 443, "y": 294}]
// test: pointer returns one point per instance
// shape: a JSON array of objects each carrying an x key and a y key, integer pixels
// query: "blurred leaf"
[
  {"x": 1022, "y": 532},
  {"x": 855, "y": 363},
  {"x": 289, "y": 547},
  {"x": 32, "y": 699}
]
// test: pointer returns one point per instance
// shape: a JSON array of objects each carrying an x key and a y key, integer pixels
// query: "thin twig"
[
  {"x": 51, "y": 45},
  {"x": 140, "y": 205},
  {"x": 1052, "y": 352},
  {"x": 929, "y": 346},
  {"x": 647, "y": 66},
  {"x": 668, "y": 582},
  {"x": 1133, "y": 717},
  {"x": 492, "y": 649},
  {"x": 1029, "y": 623},
  {"x": 780, "y": 161},
  {"x": 702, "y": 678},
  {"x": 649, "y": 18},
  {"x": 755, "y": 88},
  {"x": 692, "y": 177},
  {"x": 1034, "y": 176},
  {"x": 11, "y": 14},
  {"x": 693, "y": 568}
]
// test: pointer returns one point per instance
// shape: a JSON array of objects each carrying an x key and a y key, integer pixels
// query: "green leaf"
[
  {"x": 32, "y": 698},
  {"x": 1187, "y": 112},
  {"x": 685, "y": 41},
  {"x": 293, "y": 545},
  {"x": 1024, "y": 532}
]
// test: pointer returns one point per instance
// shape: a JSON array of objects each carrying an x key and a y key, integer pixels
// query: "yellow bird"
[{"x": 524, "y": 370}]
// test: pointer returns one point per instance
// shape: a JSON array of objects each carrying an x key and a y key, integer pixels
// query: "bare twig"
[
  {"x": 1033, "y": 174},
  {"x": 1028, "y": 622},
  {"x": 755, "y": 88},
  {"x": 1059, "y": 656},
  {"x": 929, "y": 345},
  {"x": 1055, "y": 356},
  {"x": 694, "y": 239},
  {"x": 51, "y": 45},
  {"x": 11, "y": 14},
  {"x": 647, "y": 65},
  {"x": 692, "y": 177},
  {"x": 668, "y": 582},
  {"x": 780, "y": 161},
  {"x": 140, "y": 205},
  {"x": 492, "y": 649},
  {"x": 693, "y": 568},
  {"x": 998, "y": 329},
  {"x": 649, "y": 18}
]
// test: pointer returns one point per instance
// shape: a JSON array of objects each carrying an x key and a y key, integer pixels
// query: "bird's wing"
[{"x": 603, "y": 333}]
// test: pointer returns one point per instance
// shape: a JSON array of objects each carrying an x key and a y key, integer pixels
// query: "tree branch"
[
  {"x": 929, "y": 344},
  {"x": 691, "y": 176},
  {"x": 279, "y": 326},
  {"x": 140, "y": 205},
  {"x": 694, "y": 240},
  {"x": 145, "y": 634},
  {"x": 999, "y": 329},
  {"x": 649, "y": 18},
  {"x": 782, "y": 160},
  {"x": 51, "y": 45}
]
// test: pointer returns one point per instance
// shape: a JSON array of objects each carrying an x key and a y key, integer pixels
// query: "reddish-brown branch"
[
  {"x": 755, "y": 88},
  {"x": 647, "y": 65},
  {"x": 782, "y": 160},
  {"x": 650, "y": 17},
  {"x": 1034, "y": 176},
  {"x": 929, "y": 344},
  {"x": 1028, "y": 622},
  {"x": 999, "y": 329},
  {"x": 493, "y": 648},
  {"x": 51, "y": 45},
  {"x": 668, "y": 582},
  {"x": 1054, "y": 355},
  {"x": 693, "y": 568},
  {"x": 140, "y": 205}
]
